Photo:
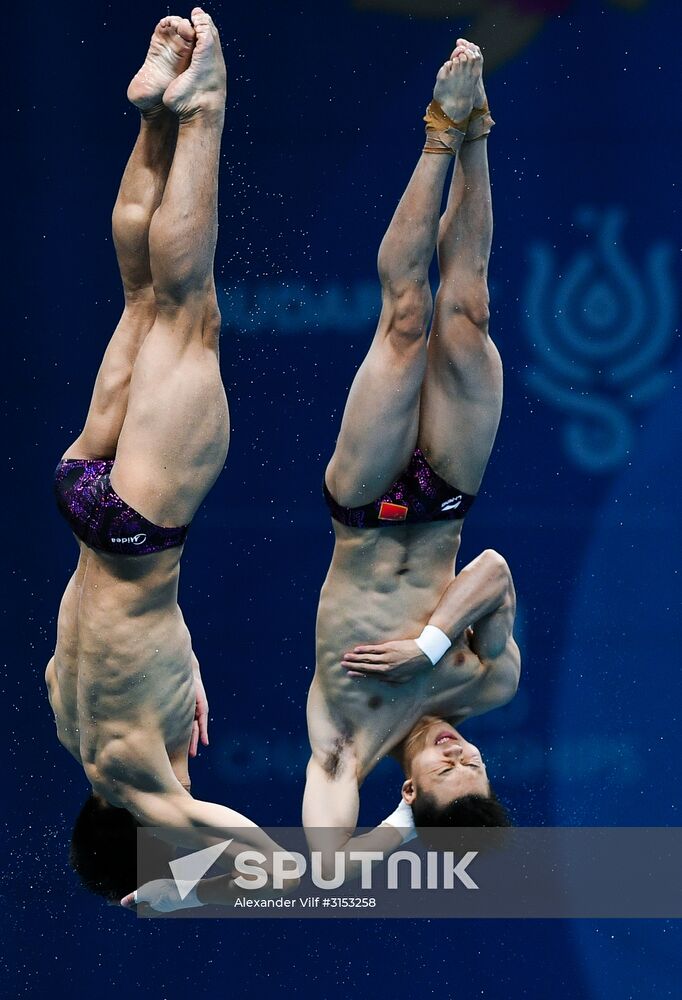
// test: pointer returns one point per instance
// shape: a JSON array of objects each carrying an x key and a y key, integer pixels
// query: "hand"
[
  {"x": 162, "y": 896},
  {"x": 394, "y": 662},
  {"x": 200, "y": 724}
]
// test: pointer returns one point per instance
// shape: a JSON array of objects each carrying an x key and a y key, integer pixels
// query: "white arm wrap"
[
  {"x": 433, "y": 642},
  {"x": 403, "y": 821}
]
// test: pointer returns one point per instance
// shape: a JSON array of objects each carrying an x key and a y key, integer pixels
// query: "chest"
[
  {"x": 456, "y": 685},
  {"x": 375, "y": 716}
]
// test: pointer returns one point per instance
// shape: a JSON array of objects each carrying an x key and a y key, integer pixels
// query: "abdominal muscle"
[
  {"x": 123, "y": 659},
  {"x": 382, "y": 584}
]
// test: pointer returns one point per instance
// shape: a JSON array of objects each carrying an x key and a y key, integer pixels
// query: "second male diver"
[{"x": 406, "y": 650}]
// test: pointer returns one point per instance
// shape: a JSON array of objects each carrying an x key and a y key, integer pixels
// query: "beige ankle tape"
[
  {"x": 442, "y": 134},
  {"x": 480, "y": 123}
]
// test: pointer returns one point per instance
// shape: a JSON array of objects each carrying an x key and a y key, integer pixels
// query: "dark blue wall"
[{"x": 581, "y": 493}]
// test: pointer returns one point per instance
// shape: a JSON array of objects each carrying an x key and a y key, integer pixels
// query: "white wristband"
[
  {"x": 433, "y": 642},
  {"x": 403, "y": 821}
]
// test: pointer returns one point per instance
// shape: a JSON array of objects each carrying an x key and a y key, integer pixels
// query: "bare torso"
[
  {"x": 123, "y": 661},
  {"x": 384, "y": 584}
]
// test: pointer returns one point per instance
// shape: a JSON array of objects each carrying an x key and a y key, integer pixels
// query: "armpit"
[{"x": 337, "y": 759}]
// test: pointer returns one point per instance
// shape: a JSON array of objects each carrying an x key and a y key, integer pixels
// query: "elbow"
[
  {"x": 498, "y": 568},
  {"x": 495, "y": 561}
]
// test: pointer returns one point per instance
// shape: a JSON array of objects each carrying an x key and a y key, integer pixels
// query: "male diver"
[
  {"x": 124, "y": 683},
  {"x": 415, "y": 438}
]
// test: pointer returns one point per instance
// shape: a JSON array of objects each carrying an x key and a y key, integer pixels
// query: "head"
[
  {"x": 104, "y": 848},
  {"x": 446, "y": 782}
]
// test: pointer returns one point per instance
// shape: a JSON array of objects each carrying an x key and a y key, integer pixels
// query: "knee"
[
  {"x": 129, "y": 218},
  {"x": 196, "y": 320},
  {"x": 406, "y": 311},
  {"x": 179, "y": 277},
  {"x": 180, "y": 291},
  {"x": 189, "y": 305},
  {"x": 130, "y": 229},
  {"x": 469, "y": 301}
]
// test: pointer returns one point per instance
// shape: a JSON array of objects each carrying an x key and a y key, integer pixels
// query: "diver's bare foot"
[
  {"x": 170, "y": 51},
  {"x": 201, "y": 89},
  {"x": 480, "y": 98},
  {"x": 456, "y": 83}
]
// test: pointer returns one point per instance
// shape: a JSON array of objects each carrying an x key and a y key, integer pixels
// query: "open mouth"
[{"x": 447, "y": 736}]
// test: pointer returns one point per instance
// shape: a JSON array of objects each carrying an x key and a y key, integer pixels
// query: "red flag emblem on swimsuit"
[{"x": 392, "y": 511}]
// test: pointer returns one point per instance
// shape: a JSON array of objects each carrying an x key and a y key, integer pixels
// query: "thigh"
[
  {"x": 174, "y": 439},
  {"x": 109, "y": 401},
  {"x": 461, "y": 401},
  {"x": 380, "y": 422}
]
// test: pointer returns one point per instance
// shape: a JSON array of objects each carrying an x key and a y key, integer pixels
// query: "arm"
[
  {"x": 331, "y": 801},
  {"x": 330, "y": 813},
  {"x": 137, "y": 767},
  {"x": 192, "y": 825},
  {"x": 480, "y": 598}
]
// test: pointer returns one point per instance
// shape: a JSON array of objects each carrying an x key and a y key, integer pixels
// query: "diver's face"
[{"x": 443, "y": 765}]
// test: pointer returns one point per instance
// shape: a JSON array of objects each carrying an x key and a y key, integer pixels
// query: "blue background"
[{"x": 580, "y": 496}]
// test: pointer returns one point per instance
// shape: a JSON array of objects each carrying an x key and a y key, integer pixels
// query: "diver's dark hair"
[
  {"x": 467, "y": 811},
  {"x": 104, "y": 849}
]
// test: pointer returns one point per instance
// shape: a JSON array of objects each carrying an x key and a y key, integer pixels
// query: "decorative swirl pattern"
[{"x": 599, "y": 333}]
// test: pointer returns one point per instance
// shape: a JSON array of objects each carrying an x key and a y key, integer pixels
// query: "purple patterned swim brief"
[
  {"x": 98, "y": 516},
  {"x": 418, "y": 495}
]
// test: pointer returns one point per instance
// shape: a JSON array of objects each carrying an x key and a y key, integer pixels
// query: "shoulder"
[{"x": 127, "y": 764}]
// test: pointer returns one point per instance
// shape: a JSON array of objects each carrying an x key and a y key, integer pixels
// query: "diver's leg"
[
  {"x": 381, "y": 419},
  {"x": 174, "y": 437},
  {"x": 139, "y": 195},
  {"x": 462, "y": 392}
]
